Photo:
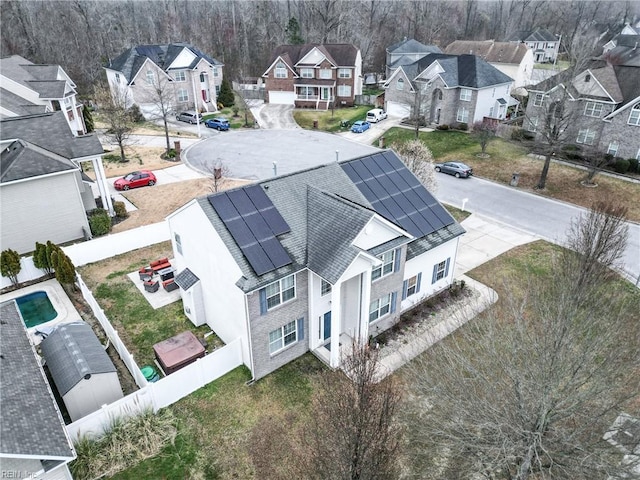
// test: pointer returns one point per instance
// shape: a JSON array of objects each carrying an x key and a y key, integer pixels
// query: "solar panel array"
[
  {"x": 396, "y": 194},
  {"x": 254, "y": 222}
]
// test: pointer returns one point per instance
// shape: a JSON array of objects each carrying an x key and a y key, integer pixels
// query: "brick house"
[
  {"x": 314, "y": 76},
  {"x": 314, "y": 260}
]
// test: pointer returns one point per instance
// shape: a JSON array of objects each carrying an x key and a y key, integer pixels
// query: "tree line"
[{"x": 82, "y": 36}]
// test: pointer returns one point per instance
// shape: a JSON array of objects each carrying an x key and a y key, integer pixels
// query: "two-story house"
[
  {"x": 512, "y": 59},
  {"x": 406, "y": 52},
  {"x": 602, "y": 103},
  {"x": 314, "y": 76},
  {"x": 314, "y": 260},
  {"x": 544, "y": 44},
  {"x": 449, "y": 90},
  {"x": 187, "y": 78},
  {"x": 27, "y": 88}
]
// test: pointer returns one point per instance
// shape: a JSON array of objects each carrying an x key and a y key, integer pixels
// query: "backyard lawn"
[
  {"x": 505, "y": 158},
  {"x": 330, "y": 121}
]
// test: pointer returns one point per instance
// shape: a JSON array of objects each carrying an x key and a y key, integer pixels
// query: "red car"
[{"x": 135, "y": 179}]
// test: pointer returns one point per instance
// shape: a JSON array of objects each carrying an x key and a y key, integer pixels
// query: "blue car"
[
  {"x": 218, "y": 123},
  {"x": 360, "y": 126}
]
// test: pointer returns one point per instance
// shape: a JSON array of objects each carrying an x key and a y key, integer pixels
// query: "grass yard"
[
  {"x": 563, "y": 182},
  {"x": 329, "y": 121}
]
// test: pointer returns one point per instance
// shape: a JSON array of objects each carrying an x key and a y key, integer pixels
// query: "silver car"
[
  {"x": 458, "y": 169},
  {"x": 189, "y": 117}
]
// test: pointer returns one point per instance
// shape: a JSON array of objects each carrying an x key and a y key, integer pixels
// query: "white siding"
[{"x": 89, "y": 395}]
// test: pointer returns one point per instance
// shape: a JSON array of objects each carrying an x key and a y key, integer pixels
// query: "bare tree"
[
  {"x": 160, "y": 93},
  {"x": 418, "y": 158},
  {"x": 114, "y": 110},
  {"x": 529, "y": 389},
  {"x": 219, "y": 174},
  {"x": 484, "y": 132}
]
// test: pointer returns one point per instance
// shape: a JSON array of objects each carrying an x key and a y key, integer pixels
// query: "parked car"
[
  {"x": 360, "y": 126},
  {"x": 189, "y": 117},
  {"x": 218, "y": 123},
  {"x": 376, "y": 115},
  {"x": 135, "y": 179},
  {"x": 458, "y": 169}
]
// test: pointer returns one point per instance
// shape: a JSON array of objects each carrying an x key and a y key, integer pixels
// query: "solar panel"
[
  {"x": 223, "y": 207},
  {"x": 265, "y": 207},
  {"x": 276, "y": 253}
]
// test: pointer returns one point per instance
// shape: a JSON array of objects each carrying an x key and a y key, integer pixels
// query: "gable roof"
[
  {"x": 42, "y": 79},
  {"x": 489, "y": 51},
  {"x": 50, "y": 131},
  {"x": 130, "y": 61},
  {"x": 626, "y": 51},
  {"x": 73, "y": 352},
  {"x": 30, "y": 424},
  {"x": 340, "y": 54},
  {"x": 325, "y": 210},
  {"x": 412, "y": 46},
  {"x": 18, "y": 105},
  {"x": 20, "y": 160},
  {"x": 538, "y": 35}
]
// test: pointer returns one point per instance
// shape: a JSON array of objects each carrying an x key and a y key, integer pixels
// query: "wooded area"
[{"x": 82, "y": 36}]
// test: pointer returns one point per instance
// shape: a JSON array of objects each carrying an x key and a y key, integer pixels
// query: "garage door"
[
  {"x": 281, "y": 98},
  {"x": 397, "y": 109}
]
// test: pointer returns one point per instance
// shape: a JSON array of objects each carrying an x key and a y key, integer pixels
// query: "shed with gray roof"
[{"x": 83, "y": 373}]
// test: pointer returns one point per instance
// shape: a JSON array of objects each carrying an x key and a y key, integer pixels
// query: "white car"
[{"x": 375, "y": 115}]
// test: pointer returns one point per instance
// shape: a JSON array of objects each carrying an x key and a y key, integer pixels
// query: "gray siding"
[
  {"x": 619, "y": 130},
  {"x": 388, "y": 284},
  {"x": 48, "y": 208},
  {"x": 261, "y": 325}
]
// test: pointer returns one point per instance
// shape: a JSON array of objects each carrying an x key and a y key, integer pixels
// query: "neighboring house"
[
  {"x": 188, "y": 78},
  {"x": 448, "y": 90},
  {"x": 605, "y": 101},
  {"x": 512, "y": 59},
  {"x": 623, "y": 50},
  {"x": 82, "y": 372},
  {"x": 406, "y": 52},
  {"x": 314, "y": 76},
  {"x": 544, "y": 44},
  {"x": 44, "y": 194},
  {"x": 314, "y": 260},
  {"x": 27, "y": 88},
  {"x": 33, "y": 439}
]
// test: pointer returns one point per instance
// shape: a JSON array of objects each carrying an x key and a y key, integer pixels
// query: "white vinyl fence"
[{"x": 28, "y": 272}]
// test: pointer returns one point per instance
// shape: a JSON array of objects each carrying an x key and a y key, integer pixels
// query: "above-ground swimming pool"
[{"x": 36, "y": 308}]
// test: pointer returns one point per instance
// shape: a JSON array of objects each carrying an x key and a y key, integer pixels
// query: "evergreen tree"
[
  {"x": 292, "y": 30},
  {"x": 10, "y": 265},
  {"x": 88, "y": 119},
  {"x": 226, "y": 94},
  {"x": 65, "y": 270},
  {"x": 40, "y": 258}
]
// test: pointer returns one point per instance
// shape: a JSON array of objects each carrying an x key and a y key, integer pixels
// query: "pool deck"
[{"x": 59, "y": 299}]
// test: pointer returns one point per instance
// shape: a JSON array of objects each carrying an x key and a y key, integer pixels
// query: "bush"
[
  {"x": 220, "y": 105},
  {"x": 170, "y": 154},
  {"x": 226, "y": 94},
  {"x": 136, "y": 114},
  {"x": 120, "y": 209},
  {"x": 113, "y": 158},
  {"x": 443, "y": 127},
  {"x": 633, "y": 165},
  {"x": 463, "y": 126},
  {"x": 517, "y": 134},
  {"x": 621, "y": 165},
  {"x": 99, "y": 222},
  {"x": 41, "y": 258},
  {"x": 10, "y": 265}
]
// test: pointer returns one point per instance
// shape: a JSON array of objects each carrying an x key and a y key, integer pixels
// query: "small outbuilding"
[{"x": 83, "y": 373}]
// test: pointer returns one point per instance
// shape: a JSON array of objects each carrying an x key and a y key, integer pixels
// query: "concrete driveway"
[
  {"x": 374, "y": 133},
  {"x": 274, "y": 117}
]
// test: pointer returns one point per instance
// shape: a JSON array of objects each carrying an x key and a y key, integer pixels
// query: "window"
[
  {"x": 538, "y": 100},
  {"x": 325, "y": 73},
  {"x": 280, "y": 292},
  {"x": 440, "y": 270},
  {"x": 305, "y": 92},
  {"x": 215, "y": 71},
  {"x": 613, "y": 148},
  {"x": 117, "y": 78},
  {"x": 463, "y": 115},
  {"x": 634, "y": 116},
  {"x": 638, "y": 154},
  {"x": 178, "y": 243},
  {"x": 150, "y": 77},
  {"x": 411, "y": 286},
  {"x": 203, "y": 77},
  {"x": 183, "y": 95},
  {"x": 306, "y": 72},
  {"x": 325, "y": 288},
  {"x": 379, "y": 308},
  {"x": 344, "y": 90},
  {"x": 587, "y": 78},
  {"x": 465, "y": 94},
  {"x": 387, "y": 265},
  {"x": 344, "y": 73},
  {"x": 400, "y": 84},
  {"x": 586, "y": 136},
  {"x": 281, "y": 70},
  {"x": 180, "y": 77},
  {"x": 282, "y": 337},
  {"x": 532, "y": 125},
  {"x": 593, "y": 109}
]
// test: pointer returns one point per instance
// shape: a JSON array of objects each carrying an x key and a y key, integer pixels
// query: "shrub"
[
  {"x": 633, "y": 165},
  {"x": 443, "y": 127},
  {"x": 621, "y": 165},
  {"x": 136, "y": 114},
  {"x": 220, "y": 105},
  {"x": 572, "y": 152},
  {"x": 235, "y": 109},
  {"x": 65, "y": 270},
  {"x": 10, "y": 265},
  {"x": 517, "y": 134},
  {"x": 120, "y": 209},
  {"x": 463, "y": 126},
  {"x": 170, "y": 154},
  {"x": 226, "y": 94},
  {"x": 113, "y": 158},
  {"x": 99, "y": 222},
  {"x": 41, "y": 259}
]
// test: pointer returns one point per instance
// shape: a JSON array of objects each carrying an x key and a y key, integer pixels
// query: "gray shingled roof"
[
  {"x": 30, "y": 423},
  {"x": 20, "y": 160},
  {"x": 412, "y": 46},
  {"x": 18, "y": 105},
  {"x": 489, "y": 51},
  {"x": 626, "y": 52},
  {"x": 73, "y": 351},
  {"x": 538, "y": 35},
  {"x": 342, "y": 54},
  {"x": 131, "y": 60},
  {"x": 186, "y": 279},
  {"x": 51, "y": 132},
  {"x": 324, "y": 209},
  {"x": 42, "y": 79}
]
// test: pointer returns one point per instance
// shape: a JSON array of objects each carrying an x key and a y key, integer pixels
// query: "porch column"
[
  {"x": 365, "y": 301},
  {"x": 101, "y": 180},
  {"x": 336, "y": 314}
]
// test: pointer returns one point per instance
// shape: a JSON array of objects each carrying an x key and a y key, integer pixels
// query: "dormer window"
[
  {"x": 587, "y": 78},
  {"x": 281, "y": 70},
  {"x": 150, "y": 78},
  {"x": 400, "y": 84}
]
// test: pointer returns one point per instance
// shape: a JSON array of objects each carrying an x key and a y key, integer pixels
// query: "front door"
[
  {"x": 324, "y": 93},
  {"x": 325, "y": 327}
]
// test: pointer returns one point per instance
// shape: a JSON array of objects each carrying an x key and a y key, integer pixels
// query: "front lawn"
[{"x": 330, "y": 121}]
